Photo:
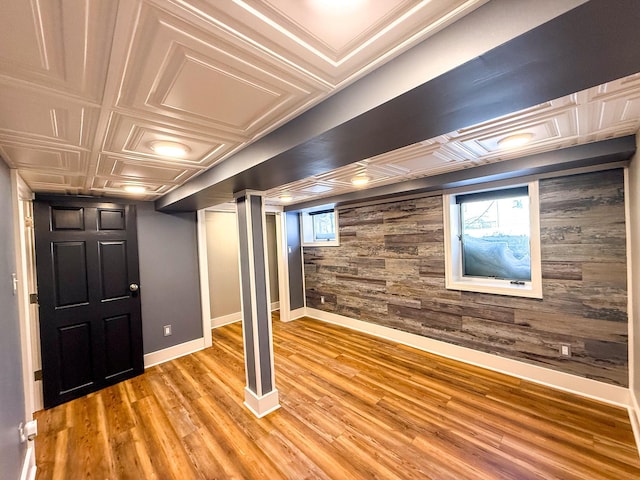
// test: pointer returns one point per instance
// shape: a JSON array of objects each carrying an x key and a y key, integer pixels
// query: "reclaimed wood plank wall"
[{"x": 389, "y": 270}]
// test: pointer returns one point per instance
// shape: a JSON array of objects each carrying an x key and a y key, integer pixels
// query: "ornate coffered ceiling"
[{"x": 87, "y": 86}]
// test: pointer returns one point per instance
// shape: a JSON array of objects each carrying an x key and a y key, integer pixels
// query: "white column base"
[{"x": 261, "y": 406}]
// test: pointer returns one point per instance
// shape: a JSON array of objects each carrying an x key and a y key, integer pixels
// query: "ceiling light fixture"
[
  {"x": 360, "y": 180},
  {"x": 337, "y": 5},
  {"x": 286, "y": 198},
  {"x": 169, "y": 149},
  {"x": 514, "y": 141},
  {"x": 135, "y": 189}
]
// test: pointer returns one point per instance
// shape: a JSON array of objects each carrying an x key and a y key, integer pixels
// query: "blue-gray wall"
[
  {"x": 169, "y": 279},
  {"x": 11, "y": 385},
  {"x": 294, "y": 258}
]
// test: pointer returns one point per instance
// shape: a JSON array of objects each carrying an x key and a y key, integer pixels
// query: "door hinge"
[
  {"x": 37, "y": 375},
  {"x": 33, "y": 298},
  {"x": 28, "y": 222}
]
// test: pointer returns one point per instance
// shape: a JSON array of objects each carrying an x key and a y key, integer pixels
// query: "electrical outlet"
[
  {"x": 565, "y": 350},
  {"x": 167, "y": 330},
  {"x": 322, "y": 299}
]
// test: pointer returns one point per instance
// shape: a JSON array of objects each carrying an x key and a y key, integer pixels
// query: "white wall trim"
[
  {"x": 261, "y": 405},
  {"x": 611, "y": 394},
  {"x": 631, "y": 204},
  {"x": 203, "y": 267},
  {"x": 630, "y": 241},
  {"x": 29, "y": 468},
  {"x": 234, "y": 317},
  {"x": 20, "y": 193},
  {"x": 298, "y": 313},
  {"x": 171, "y": 353},
  {"x": 634, "y": 417},
  {"x": 283, "y": 267},
  {"x": 226, "y": 319}
]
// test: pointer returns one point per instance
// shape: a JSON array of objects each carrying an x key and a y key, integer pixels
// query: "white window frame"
[
  {"x": 307, "y": 230},
  {"x": 454, "y": 278}
]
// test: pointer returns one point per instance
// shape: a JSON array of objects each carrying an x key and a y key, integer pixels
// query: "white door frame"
[
  {"x": 283, "y": 274},
  {"x": 22, "y": 196},
  {"x": 203, "y": 263},
  {"x": 283, "y": 267}
]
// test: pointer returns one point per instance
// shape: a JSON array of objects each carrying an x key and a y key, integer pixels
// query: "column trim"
[{"x": 262, "y": 405}]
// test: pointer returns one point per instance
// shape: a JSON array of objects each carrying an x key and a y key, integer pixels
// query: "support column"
[{"x": 260, "y": 394}]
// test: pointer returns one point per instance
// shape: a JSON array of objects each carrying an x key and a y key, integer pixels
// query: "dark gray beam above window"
[{"x": 594, "y": 43}]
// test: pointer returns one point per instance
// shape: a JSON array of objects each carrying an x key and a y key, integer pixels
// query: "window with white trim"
[
  {"x": 320, "y": 228},
  {"x": 492, "y": 241}
]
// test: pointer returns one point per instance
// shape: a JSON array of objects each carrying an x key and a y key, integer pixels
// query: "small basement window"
[
  {"x": 320, "y": 228},
  {"x": 492, "y": 241}
]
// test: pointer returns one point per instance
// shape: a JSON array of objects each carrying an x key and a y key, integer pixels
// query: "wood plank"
[
  {"x": 353, "y": 407},
  {"x": 583, "y": 243}
]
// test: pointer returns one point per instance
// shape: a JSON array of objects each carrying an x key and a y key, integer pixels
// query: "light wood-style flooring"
[{"x": 353, "y": 407}]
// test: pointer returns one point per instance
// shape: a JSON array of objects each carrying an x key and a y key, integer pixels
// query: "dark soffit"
[{"x": 592, "y": 44}]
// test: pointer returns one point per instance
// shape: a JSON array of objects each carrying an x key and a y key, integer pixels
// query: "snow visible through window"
[{"x": 495, "y": 238}]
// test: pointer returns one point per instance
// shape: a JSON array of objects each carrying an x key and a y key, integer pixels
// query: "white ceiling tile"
[
  {"x": 131, "y": 136},
  {"x": 42, "y": 158},
  {"x": 199, "y": 76},
  {"x": 58, "y": 44},
  {"x": 38, "y": 116},
  {"x": 142, "y": 169}
]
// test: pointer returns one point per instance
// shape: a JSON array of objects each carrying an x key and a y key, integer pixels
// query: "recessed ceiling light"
[
  {"x": 169, "y": 149},
  {"x": 135, "y": 189},
  {"x": 286, "y": 198},
  {"x": 360, "y": 180},
  {"x": 337, "y": 6},
  {"x": 517, "y": 140}
]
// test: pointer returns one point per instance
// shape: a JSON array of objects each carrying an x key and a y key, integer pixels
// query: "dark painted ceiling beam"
[
  {"x": 602, "y": 155},
  {"x": 592, "y": 44}
]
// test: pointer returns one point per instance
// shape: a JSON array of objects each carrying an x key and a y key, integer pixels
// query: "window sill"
[
  {"x": 332, "y": 243},
  {"x": 496, "y": 287}
]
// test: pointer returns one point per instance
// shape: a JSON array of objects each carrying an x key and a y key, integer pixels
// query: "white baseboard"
[
  {"x": 585, "y": 387},
  {"x": 235, "y": 317},
  {"x": 180, "y": 350},
  {"x": 226, "y": 319},
  {"x": 634, "y": 417},
  {"x": 29, "y": 468},
  {"x": 261, "y": 406},
  {"x": 298, "y": 313}
]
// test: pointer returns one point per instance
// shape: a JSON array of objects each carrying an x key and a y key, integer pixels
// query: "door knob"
[{"x": 134, "y": 287}]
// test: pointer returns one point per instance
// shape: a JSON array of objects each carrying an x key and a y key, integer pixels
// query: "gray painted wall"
[
  {"x": 11, "y": 386},
  {"x": 169, "y": 281},
  {"x": 272, "y": 257},
  {"x": 294, "y": 259}
]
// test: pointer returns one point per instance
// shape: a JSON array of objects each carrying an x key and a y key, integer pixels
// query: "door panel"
[
  {"x": 113, "y": 270},
  {"x": 67, "y": 218},
  {"x": 119, "y": 358},
  {"x": 74, "y": 344},
  {"x": 90, "y": 324},
  {"x": 70, "y": 273},
  {"x": 111, "y": 219}
]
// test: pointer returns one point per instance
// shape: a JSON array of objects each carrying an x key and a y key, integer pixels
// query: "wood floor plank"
[{"x": 352, "y": 407}]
